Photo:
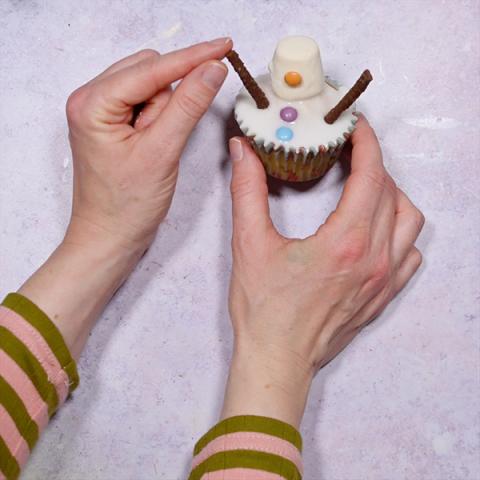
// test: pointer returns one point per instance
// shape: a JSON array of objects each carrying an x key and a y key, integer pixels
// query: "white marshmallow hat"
[{"x": 296, "y": 68}]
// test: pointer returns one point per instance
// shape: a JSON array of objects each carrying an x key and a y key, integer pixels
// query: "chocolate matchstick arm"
[
  {"x": 360, "y": 85},
  {"x": 248, "y": 81}
]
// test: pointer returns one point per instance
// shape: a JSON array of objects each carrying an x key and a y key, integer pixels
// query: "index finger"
[
  {"x": 364, "y": 187},
  {"x": 141, "y": 81}
]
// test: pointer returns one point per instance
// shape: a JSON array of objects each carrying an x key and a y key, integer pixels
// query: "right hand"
[
  {"x": 125, "y": 168},
  {"x": 295, "y": 304},
  {"x": 125, "y": 172}
]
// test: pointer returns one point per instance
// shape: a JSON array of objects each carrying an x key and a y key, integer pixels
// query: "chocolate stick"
[
  {"x": 248, "y": 81},
  {"x": 360, "y": 85}
]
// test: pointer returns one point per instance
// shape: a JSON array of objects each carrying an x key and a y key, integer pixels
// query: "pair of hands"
[{"x": 294, "y": 303}]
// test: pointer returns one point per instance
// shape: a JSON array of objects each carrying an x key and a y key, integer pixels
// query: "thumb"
[
  {"x": 187, "y": 105},
  {"x": 251, "y": 214}
]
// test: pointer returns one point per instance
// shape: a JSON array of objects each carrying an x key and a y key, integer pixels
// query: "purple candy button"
[{"x": 288, "y": 114}]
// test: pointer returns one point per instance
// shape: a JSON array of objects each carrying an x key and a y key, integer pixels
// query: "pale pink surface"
[
  {"x": 250, "y": 441},
  {"x": 23, "y": 386},
  {"x": 402, "y": 401},
  {"x": 241, "y": 474},
  {"x": 39, "y": 348},
  {"x": 11, "y": 436}
]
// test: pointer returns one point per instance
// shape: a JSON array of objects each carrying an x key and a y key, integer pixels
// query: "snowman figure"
[{"x": 296, "y": 121}]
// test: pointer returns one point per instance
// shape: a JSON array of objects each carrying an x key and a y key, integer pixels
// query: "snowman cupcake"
[{"x": 295, "y": 119}]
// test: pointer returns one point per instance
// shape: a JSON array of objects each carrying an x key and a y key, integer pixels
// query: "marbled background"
[{"x": 402, "y": 401}]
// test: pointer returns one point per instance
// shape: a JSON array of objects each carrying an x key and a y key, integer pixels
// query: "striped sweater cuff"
[
  {"x": 248, "y": 447},
  {"x": 37, "y": 373}
]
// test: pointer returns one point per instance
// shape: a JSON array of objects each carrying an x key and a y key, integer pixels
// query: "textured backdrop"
[{"x": 401, "y": 402}]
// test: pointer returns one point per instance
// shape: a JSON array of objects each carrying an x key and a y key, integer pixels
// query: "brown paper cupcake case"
[{"x": 298, "y": 166}]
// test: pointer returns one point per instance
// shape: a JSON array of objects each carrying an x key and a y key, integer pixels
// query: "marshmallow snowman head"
[{"x": 296, "y": 69}]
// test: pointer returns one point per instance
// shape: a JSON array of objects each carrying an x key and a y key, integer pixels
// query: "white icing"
[
  {"x": 301, "y": 55},
  {"x": 310, "y": 131}
]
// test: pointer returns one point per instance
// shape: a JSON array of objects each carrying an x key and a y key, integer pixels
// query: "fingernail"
[
  {"x": 236, "y": 149},
  {"x": 220, "y": 41},
  {"x": 361, "y": 115},
  {"x": 214, "y": 75}
]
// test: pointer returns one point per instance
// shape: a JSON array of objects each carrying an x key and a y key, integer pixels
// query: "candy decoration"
[
  {"x": 284, "y": 133},
  {"x": 248, "y": 81},
  {"x": 293, "y": 79},
  {"x": 288, "y": 114},
  {"x": 360, "y": 85}
]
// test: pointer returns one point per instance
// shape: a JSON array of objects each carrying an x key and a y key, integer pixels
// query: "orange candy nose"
[{"x": 293, "y": 79}]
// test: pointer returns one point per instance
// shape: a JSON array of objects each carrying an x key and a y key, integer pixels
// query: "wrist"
[
  {"x": 267, "y": 382},
  {"x": 76, "y": 282},
  {"x": 89, "y": 236},
  {"x": 86, "y": 261}
]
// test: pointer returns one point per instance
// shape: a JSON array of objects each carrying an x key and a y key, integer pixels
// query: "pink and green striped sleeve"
[
  {"x": 37, "y": 373},
  {"x": 248, "y": 448}
]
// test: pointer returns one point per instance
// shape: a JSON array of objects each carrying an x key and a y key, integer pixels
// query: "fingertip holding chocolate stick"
[
  {"x": 248, "y": 81},
  {"x": 360, "y": 86}
]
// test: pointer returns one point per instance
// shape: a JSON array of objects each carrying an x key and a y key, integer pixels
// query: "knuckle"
[
  {"x": 147, "y": 54},
  {"x": 390, "y": 185},
  {"x": 243, "y": 186},
  {"x": 147, "y": 62},
  {"x": 191, "y": 106},
  {"x": 417, "y": 257},
  {"x": 419, "y": 219},
  {"x": 378, "y": 177},
  {"x": 76, "y": 104},
  {"x": 381, "y": 271},
  {"x": 353, "y": 248}
]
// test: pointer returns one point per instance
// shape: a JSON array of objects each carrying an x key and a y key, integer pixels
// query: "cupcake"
[{"x": 296, "y": 120}]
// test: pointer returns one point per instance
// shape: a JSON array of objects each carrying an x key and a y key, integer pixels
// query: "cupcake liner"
[{"x": 300, "y": 166}]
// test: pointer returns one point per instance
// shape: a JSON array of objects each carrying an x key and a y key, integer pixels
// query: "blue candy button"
[{"x": 284, "y": 133}]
